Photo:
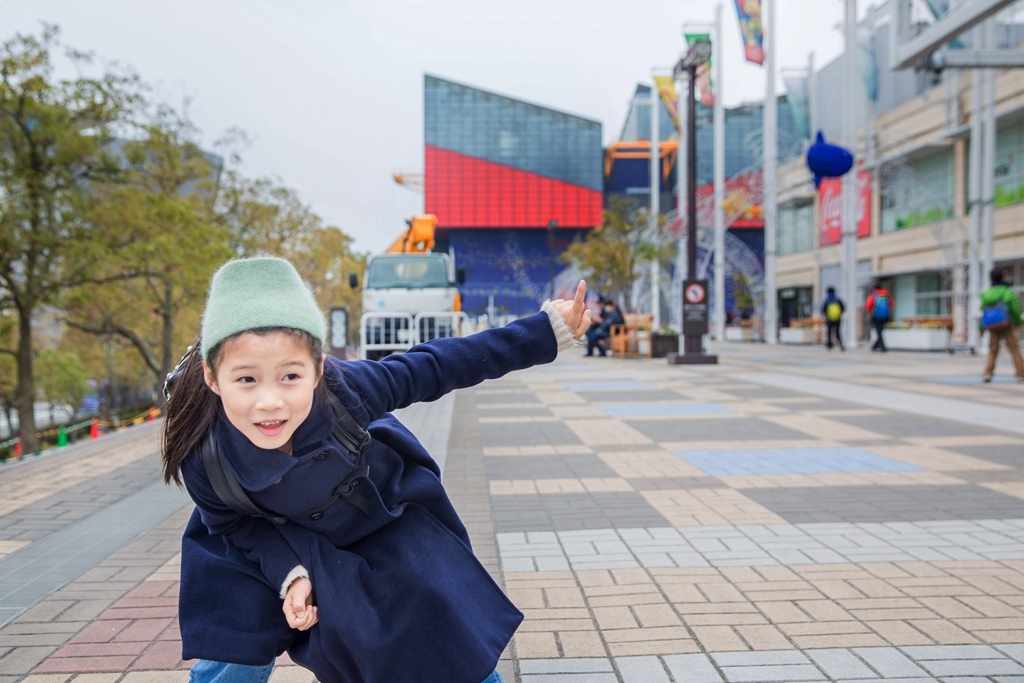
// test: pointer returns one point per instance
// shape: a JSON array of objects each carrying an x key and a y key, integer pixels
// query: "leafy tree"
[
  {"x": 264, "y": 217},
  {"x": 54, "y": 136},
  {"x": 168, "y": 195},
  {"x": 61, "y": 378},
  {"x": 613, "y": 254}
]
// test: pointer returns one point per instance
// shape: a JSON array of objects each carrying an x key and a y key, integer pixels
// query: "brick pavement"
[{"x": 788, "y": 515}]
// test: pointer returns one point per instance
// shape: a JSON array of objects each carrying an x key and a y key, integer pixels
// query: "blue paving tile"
[
  {"x": 606, "y": 386},
  {"x": 970, "y": 379},
  {"x": 720, "y": 463},
  {"x": 819, "y": 363},
  {"x": 633, "y": 409}
]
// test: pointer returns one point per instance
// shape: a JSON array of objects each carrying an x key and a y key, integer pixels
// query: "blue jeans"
[{"x": 206, "y": 671}]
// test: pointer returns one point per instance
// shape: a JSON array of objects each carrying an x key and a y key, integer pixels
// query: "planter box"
[
  {"x": 664, "y": 344},
  {"x": 739, "y": 334},
  {"x": 797, "y": 335},
  {"x": 914, "y": 339}
]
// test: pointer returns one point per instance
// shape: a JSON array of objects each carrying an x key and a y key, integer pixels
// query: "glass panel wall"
[
  {"x": 796, "y": 229},
  {"x": 922, "y": 193}
]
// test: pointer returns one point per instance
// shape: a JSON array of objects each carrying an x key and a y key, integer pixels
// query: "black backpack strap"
[
  {"x": 347, "y": 431},
  {"x": 226, "y": 485}
]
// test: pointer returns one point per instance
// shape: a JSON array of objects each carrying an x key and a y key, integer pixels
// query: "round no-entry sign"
[{"x": 695, "y": 293}]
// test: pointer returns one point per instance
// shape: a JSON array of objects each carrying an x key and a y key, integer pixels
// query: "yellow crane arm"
[{"x": 418, "y": 238}]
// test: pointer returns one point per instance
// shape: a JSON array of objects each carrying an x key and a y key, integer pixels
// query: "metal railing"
[{"x": 384, "y": 333}]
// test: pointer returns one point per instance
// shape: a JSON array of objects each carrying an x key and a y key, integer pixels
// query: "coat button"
[
  {"x": 316, "y": 516},
  {"x": 319, "y": 456}
]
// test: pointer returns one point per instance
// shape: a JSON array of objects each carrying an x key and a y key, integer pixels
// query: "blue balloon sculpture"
[{"x": 827, "y": 161}]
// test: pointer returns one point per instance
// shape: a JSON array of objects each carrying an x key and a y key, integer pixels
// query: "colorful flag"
[
  {"x": 749, "y": 14},
  {"x": 704, "y": 85},
  {"x": 667, "y": 88},
  {"x": 799, "y": 105}
]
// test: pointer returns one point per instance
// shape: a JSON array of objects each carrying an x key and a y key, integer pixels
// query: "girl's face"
[{"x": 266, "y": 384}]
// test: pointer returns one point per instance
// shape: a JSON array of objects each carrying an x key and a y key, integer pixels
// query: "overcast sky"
[{"x": 332, "y": 90}]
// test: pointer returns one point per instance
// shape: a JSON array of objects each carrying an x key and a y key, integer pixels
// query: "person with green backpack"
[
  {"x": 832, "y": 310},
  {"x": 1000, "y": 317}
]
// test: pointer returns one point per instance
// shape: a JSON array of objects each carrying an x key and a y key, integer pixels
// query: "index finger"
[{"x": 578, "y": 303}]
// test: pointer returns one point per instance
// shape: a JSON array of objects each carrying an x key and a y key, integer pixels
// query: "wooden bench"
[{"x": 634, "y": 337}]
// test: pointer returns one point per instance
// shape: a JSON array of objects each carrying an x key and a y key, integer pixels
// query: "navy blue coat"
[{"x": 400, "y": 595}]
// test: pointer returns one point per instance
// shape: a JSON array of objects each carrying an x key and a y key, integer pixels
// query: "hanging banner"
[
  {"x": 749, "y": 14},
  {"x": 705, "y": 87},
  {"x": 798, "y": 96},
  {"x": 667, "y": 89},
  {"x": 830, "y": 209},
  {"x": 867, "y": 61}
]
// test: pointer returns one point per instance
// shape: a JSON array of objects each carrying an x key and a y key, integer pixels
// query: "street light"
[
  {"x": 695, "y": 292},
  {"x": 552, "y": 226}
]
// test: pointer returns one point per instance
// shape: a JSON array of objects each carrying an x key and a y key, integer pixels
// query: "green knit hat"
[{"x": 248, "y": 294}]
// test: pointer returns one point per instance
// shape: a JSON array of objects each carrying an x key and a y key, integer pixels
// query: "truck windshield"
[{"x": 407, "y": 271}]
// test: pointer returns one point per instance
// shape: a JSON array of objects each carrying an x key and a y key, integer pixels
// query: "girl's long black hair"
[{"x": 192, "y": 407}]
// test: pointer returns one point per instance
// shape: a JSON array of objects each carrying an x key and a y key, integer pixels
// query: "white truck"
[{"x": 410, "y": 295}]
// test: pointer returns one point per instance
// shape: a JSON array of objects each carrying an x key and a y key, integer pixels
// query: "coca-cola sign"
[{"x": 830, "y": 209}]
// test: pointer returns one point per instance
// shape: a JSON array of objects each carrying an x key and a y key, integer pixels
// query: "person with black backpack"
[
  {"x": 832, "y": 310},
  {"x": 321, "y": 525},
  {"x": 1000, "y": 317},
  {"x": 879, "y": 307}
]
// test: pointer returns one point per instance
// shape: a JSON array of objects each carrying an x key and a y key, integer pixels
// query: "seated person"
[{"x": 610, "y": 315}]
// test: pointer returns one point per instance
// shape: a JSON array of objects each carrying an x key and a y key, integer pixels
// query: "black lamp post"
[
  {"x": 552, "y": 227},
  {"x": 695, "y": 292}
]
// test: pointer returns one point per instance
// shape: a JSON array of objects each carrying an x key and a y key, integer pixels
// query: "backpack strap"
[
  {"x": 226, "y": 485},
  {"x": 347, "y": 431}
]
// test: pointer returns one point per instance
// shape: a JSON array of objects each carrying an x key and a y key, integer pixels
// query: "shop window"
[
  {"x": 921, "y": 193},
  {"x": 796, "y": 229},
  {"x": 932, "y": 295}
]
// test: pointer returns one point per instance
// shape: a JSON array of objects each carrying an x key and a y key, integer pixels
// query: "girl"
[{"x": 345, "y": 509}]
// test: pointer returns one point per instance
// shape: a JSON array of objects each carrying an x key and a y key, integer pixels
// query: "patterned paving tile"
[
  {"x": 761, "y": 544},
  {"x": 970, "y": 379},
  {"x": 506, "y": 410},
  {"x": 653, "y": 464},
  {"x": 791, "y": 461},
  {"x": 639, "y": 395},
  {"x": 842, "y": 665},
  {"x": 719, "y": 428},
  {"x": 558, "y": 486},
  {"x": 534, "y": 434},
  {"x": 759, "y": 392},
  {"x": 1011, "y": 455},
  {"x": 607, "y": 386},
  {"x": 573, "y": 511},
  {"x": 488, "y": 400},
  {"x": 887, "y": 503},
  {"x": 697, "y": 507},
  {"x": 658, "y": 409},
  {"x": 918, "y": 478},
  {"x": 902, "y": 425},
  {"x": 555, "y": 467}
]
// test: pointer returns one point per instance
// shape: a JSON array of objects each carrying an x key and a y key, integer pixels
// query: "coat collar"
[{"x": 258, "y": 468}]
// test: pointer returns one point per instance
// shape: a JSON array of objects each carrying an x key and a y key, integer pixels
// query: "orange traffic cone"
[
  {"x": 94, "y": 430},
  {"x": 17, "y": 448}
]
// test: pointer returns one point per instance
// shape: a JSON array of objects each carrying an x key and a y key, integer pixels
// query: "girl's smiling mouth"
[{"x": 271, "y": 427}]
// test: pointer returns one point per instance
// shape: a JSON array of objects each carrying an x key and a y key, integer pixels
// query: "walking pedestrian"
[
  {"x": 879, "y": 307},
  {"x": 1000, "y": 317},
  {"x": 376, "y": 583},
  {"x": 832, "y": 310}
]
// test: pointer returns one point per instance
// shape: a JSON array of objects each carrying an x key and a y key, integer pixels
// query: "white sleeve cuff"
[
  {"x": 298, "y": 573},
  {"x": 563, "y": 335}
]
